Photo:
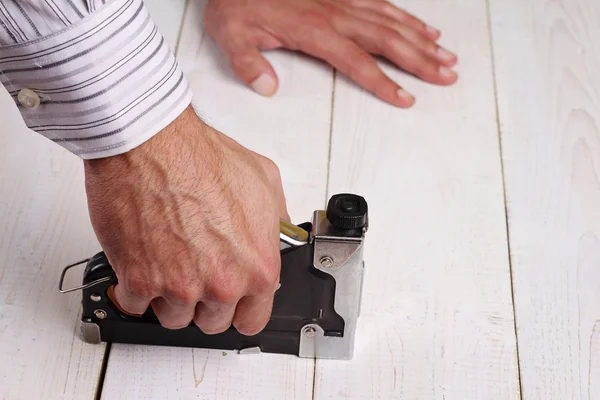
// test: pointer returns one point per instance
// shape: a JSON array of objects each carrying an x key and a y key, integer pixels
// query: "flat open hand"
[{"x": 344, "y": 33}]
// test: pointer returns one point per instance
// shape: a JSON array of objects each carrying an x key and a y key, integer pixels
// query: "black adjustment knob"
[{"x": 347, "y": 211}]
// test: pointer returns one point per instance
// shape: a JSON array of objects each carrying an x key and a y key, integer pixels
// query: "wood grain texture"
[
  {"x": 291, "y": 128},
  {"x": 437, "y": 318},
  {"x": 547, "y": 61},
  {"x": 45, "y": 226}
]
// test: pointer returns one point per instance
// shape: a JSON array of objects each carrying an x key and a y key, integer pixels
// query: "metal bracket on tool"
[
  {"x": 340, "y": 257},
  {"x": 90, "y": 332}
]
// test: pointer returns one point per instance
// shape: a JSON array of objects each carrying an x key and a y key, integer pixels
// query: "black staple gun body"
[{"x": 315, "y": 309}]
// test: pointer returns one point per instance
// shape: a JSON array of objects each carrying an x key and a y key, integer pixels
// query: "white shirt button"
[{"x": 28, "y": 98}]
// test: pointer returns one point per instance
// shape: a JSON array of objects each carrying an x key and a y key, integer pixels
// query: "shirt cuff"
[{"x": 101, "y": 86}]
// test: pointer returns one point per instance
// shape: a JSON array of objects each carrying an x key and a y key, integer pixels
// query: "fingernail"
[
  {"x": 264, "y": 85},
  {"x": 445, "y": 55},
  {"x": 404, "y": 95},
  {"x": 447, "y": 72},
  {"x": 432, "y": 30}
]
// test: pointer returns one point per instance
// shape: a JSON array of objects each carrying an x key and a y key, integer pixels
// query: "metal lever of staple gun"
[{"x": 315, "y": 310}]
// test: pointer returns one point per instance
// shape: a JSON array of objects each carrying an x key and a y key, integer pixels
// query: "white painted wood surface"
[
  {"x": 45, "y": 226},
  {"x": 547, "y": 61},
  {"x": 437, "y": 319},
  {"x": 291, "y": 128}
]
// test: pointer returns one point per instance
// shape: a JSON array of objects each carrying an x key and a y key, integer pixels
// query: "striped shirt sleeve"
[{"x": 94, "y": 76}]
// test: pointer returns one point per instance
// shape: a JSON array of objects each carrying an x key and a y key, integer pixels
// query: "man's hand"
[
  {"x": 341, "y": 32},
  {"x": 190, "y": 223}
]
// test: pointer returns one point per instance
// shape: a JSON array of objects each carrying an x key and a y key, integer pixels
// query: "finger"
[
  {"x": 213, "y": 318},
  {"x": 422, "y": 42},
  {"x": 351, "y": 60},
  {"x": 253, "y": 314},
  {"x": 388, "y": 43},
  {"x": 251, "y": 66},
  {"x": 172, "y": 316},
  {"x": 386, "y": 8},
  {"x": 129, "y": 301}
]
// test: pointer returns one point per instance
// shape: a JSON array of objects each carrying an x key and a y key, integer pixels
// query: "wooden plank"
[
  {"x": 547, "y": 61},
  {"x": 291, "y": 128},
  {"x": 437, "y": 318},
  {"x": 45, "y": 225},
  {"x": 168, "y": 16}
]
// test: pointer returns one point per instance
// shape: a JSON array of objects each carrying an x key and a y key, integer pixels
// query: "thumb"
[{"x": 253, "y": 68}]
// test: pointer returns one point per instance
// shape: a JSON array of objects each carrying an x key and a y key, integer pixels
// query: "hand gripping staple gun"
[{"x": 315, "y": 309}]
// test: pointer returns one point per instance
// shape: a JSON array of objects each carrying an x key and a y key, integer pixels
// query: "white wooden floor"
[{"x": 483, "y": 254}]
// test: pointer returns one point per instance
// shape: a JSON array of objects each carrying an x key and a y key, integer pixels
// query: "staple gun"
[{"x": 315, "y": 309}]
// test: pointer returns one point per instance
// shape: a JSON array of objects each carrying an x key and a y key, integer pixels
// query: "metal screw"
[
  {"x": 326, "y": 261},
  {"x": 95, "y": 297},
  {"x": 100, "y": 314},
  {"x": 310, "y": 331}
]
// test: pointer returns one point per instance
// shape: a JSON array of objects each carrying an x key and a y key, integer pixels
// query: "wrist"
[
  {"x": 160, "y": 147},
  {"x": 177, "y": 147}
]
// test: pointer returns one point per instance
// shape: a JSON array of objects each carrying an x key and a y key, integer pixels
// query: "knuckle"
[
  {"x": 385, "y": 8},
  {"x": 430, "y": 47},
  {"x": 211, "y": 329},
  {"x": 424, "y": 68},
  {"x": 363, "y": 70},
  {"x": 241, "y": 62},
  {"x": 269, "y": 164},
  {"x": 225, "y": 292},
  {"x": 272, "y": 170},
  {"x": 333, "y": 10},
  {"x": 387, "y": 37},
  {"x": 267, "y": 275},
  {"x": 316, "y": 20},
  {"x": 141, "y": 286},
  {"x": 416, "y": 23},
  {"x": 387, "y": 34},
  {"x": 181, "y": 295},
  {"x": 355, "y": 70},
  {"x": 418, "y": 69},
  {"x": 249, "y": 328},
  {"x": 382, "y": 90}
]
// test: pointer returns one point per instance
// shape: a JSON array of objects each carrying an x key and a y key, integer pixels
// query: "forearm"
[{"x": 97, "y": 79}]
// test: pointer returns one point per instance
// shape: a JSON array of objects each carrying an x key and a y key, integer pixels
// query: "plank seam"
[
  {"x": 314, "y": 388},
  {"x": 184, "y": 14},
  {"x": 103, "y": 369},
  {"x": 330, "y": 134},
  {"x": 506, "y": 224}
]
